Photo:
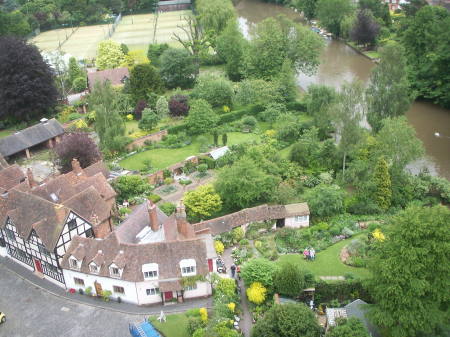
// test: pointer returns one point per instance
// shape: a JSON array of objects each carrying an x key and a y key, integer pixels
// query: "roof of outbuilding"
[
  {"x": 29, "y": 137},
  {"x": 358, "y": 308},
  {"x": 115, "y": 76}
]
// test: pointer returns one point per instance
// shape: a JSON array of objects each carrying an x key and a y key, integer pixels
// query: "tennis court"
[{"x": 49, "y": 41}]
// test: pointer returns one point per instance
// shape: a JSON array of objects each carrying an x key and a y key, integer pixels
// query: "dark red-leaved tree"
[
  {"x": 27, "y": 89},
  {"x": 178, "y": 105},
  {"x": 366, "y": 29},
  {"x": 76, "y": 145},
  {"x": 140, "y": 106}
]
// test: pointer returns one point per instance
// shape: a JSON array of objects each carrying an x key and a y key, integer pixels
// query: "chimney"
[
  {"x": 31, "y": 182},
  {"x": 183, "y": 226},
  {"x": 76, "y": 168},
  {"x": 153, "y": 216}
]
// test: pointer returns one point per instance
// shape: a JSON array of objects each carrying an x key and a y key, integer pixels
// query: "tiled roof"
[
  {"x": 98, "y": 167},
  {"x": 115, "y": 76},
  {"x": 89, "y": 204},
  {"x": 166, "y": 254},
  {"x": 10, "y": 176},
  {"x": 256, "y": 214},
  {"x": 29, "y": 137}
]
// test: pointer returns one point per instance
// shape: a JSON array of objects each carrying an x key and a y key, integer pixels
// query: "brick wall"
[{"x": 154, "y": 137}]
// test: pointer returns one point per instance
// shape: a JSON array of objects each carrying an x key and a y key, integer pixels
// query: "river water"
[{"x": 341, "y": 63}]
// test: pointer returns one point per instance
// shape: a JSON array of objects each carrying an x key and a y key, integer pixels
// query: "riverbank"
[{"x": 372, "y": 55}]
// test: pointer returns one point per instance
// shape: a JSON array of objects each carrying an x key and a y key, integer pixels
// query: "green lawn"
[
  {"x": 131, "y": 126},
  {"x": 285, "y": 152},
  {"x": 327, "y": 262},
  {"x": 6, "y": 132},
  {"x": 373, "y": 54},
  {"x": 175, "y": 326},
  {"x": 162, "y": 158}
]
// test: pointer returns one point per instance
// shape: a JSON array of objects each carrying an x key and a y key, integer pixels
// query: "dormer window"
[
  {"x": 115, "y": 271},
  {"x": 188, "y": 267},
  {"x": 93, "y": 268},
  {"x": 150, "y": 271},
  {"x": 73, "y": 263}
]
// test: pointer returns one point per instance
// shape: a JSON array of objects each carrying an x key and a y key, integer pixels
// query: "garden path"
[
  {"x": 245, "y": 323},
  {"x": 176, "y": 196}
]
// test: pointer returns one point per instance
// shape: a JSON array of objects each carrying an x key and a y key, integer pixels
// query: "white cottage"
[{"x": 150, "y": 258}]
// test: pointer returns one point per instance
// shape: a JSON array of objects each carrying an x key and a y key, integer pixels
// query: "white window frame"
[
  {"x": 111, "y": 271},
  {"x": 301, "y": 218},
  {"x": 115, "y": 288},
  {"x": 93, "y": 265},
  {"x": 80, "y": 284},
  {"x": 191, "y": 287},
  {"x": 152, "y": 291},
  {"x": 152, "y": 269},
  {"x": 188, "y": 267},
  {"x": 73, "y": 263}
]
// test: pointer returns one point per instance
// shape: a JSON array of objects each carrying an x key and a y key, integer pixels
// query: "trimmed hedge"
[
  {"x": 345, "y": 290},
  {"x": 251, "y": 110},
  {"x": 296, "y": 106}
]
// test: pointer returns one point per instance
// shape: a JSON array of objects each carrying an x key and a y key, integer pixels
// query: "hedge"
[
  {"x": 251, "y": 110},
  {"x": 296, "y": 106},
  {"x": 345, "y": 290}
]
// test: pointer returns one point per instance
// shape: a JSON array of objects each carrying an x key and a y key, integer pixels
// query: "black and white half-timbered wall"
[{"x": 32, "y": 253}]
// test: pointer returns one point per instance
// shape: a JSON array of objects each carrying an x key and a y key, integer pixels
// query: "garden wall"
[{"x": 154, "y": 137}]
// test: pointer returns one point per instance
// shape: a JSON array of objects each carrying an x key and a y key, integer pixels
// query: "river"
[{"x": 341, "y": 63}]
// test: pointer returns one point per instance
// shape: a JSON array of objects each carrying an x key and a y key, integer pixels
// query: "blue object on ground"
[{"x": 144, "y": 329}]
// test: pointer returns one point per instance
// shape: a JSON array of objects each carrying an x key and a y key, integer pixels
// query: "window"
[
  {"x": 188, "y": 270},
  {"x": 72, "y": 224},
  {"x": 89, "y": 233},
  {"x": 93, "y": 268},
  {"x": 22, "y": 254},
  {"x": 43, "y": 250},
  {"x": 115, "y": 271},
  {"x": 150, "y": 274},
  {"x": 78, "y": 281},
  {"x": 301, "y": 218},
  {"x": 191, "y": 287},
  {"x": 73, "y": 263},
  {"x": 152, "y": 291},
  {"x": 51, "y": 268},
  {"x": 10, "y": 234},
  {"x": 118, "y": 290}
]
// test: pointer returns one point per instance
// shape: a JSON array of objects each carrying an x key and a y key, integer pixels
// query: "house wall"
[
  {"x": 3, "y": 252},
  {"x": 203, "y": 289},
  {"x": 107, "y": 283},
  {"x": 291, "y": 222},
  {"x": 141, "y": 288}
]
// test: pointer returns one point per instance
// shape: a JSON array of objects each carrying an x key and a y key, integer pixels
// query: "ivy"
[{"x": 188, "y": 281}]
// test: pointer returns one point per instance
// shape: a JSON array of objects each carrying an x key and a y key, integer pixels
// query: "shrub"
[
  {"x": 178, "y": 105},
  {"x": 194, "y": 312},
  {"x": 178, "y": 68},
  {"x": 149, "y": 119},
  {"x": 219, "y": 247},
  {"x": 202, "y": 168},
  {"x": 106, "y": 294},
  {"x": 155, "y": 51},
  {"x": 216, "y": 90},
  {"x": 74, "y": 115},
  {"x": 210, "y": 162},
  {"x": 226, "y": 286},
  {"x": 238, "y": 234},
  {"x": 154, "y": 198},
  {"x": 249, "y": 123},
  {"x": 204, "y": 315},
  {"x": 79, "y": 84},
  {"x": 289, "y": 280},
  {"x": 130, "y": 186},
  {"x": 194, "y": 323},
  {"x": 259, "y": 270},
  {"x": 342, "y": 291},
  {"x": 168, "y": 208},
  {"x": 140, "y": 106},
  {"x": 256, "y": 293},
  {"x": 185, "y": 182},
  {"x": 124, "y": 210},
  {"x": 167, "y": 174}
]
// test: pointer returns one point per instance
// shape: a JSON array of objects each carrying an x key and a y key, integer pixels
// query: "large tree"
[
  {"x": 287, "y": 320},
  {"x": 14, "y": 23},
  {"x": 331, "y": 12},
  {"x": 109, "y": 55},
  {"x": 203, "y": 202},
  {"x": 410, "y": 283},
  {"x": 244, "y": 184},
  {"x": 259, "y": 270},
  {"x": 27, "y": 89},
  {"x": 427, "y": 43},
  {"x": 76, "y": 145},
  {"x": 178, "y": 68},
  {"x": 318, "y": 100},
  {"x": 365, "y": 29},
  {"x": 289, "y": 280},
  {"x": 351, "y": 327},
  {"x": 215, "y": 14},
  {"x": 144, "y": 79},
  {"x": 389, "y": 93},
  {"x": 277, "y": 39},
  {"x": 382, "y": 180}
]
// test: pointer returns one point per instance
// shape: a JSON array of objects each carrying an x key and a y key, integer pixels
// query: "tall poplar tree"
[{"x": 382, "y": 178}]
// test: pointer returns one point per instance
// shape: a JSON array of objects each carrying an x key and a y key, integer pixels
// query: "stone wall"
[{"x": 154, "y": 137}]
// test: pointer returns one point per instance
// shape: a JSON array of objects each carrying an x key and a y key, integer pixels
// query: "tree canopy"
[
  {"x": 203, "y": 202},
  {"x": 144, "y": 79},
  {"x": 27, "y": 89},
  {"x": 178, "y": 68},
  {"x": 109, "y": 55},
  {"x": 201, "y": 118},
  {"x": 410, "y": 273},
  {"x": 351, "y": 327},
  {"x": 331, "y": 13}
]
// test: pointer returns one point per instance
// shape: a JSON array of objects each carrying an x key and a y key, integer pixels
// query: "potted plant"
[{"x": 88, "y": 291}]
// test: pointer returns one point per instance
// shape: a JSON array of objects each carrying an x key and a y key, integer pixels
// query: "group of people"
[{"x": 309, "y": 254}]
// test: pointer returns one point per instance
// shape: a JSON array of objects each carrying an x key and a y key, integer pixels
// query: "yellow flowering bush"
[
  {"x": 80, "y": 124},
  {"x": 204, "y": 315},
  {"x": 219, "y": 247},
  {"x": 226, "y": 108},
  {"x": 378, "y": 235},
  {"x": 129, "y": 117},
  {"x": 231, "y": 306},
  {"x": 270, "y": 133},
  {"x": 256, "y": 293},
  {"x": 138, "y": 134}
]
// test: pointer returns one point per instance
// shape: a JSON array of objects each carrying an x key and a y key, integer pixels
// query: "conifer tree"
[{"x": 382, "y": 178}]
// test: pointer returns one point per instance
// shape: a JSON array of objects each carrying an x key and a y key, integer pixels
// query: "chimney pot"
[
  {"x": 76, "y": 168},
  {"x": 153, "y": 216},
  {"x": 31, "y": 182}
]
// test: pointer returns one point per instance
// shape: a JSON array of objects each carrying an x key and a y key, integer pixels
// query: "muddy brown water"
[{"x": 341, "y": 63}]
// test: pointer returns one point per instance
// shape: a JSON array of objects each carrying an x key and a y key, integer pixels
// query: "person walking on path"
[
  {"x": 233, "y": 270},
  {"x": 312, "y": 254},
  {"x": 306, "y": 254},
  {"x": 238, "y": 271}
]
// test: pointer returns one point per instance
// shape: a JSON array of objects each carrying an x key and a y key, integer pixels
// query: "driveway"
[{"x": 32, "y": 312}]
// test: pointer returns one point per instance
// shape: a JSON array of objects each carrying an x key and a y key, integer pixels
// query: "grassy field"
[
  {"x": 327, "y": 262},
  {"x": 175, "y": 326},
  {"x": 138, "y": 31},
  {"x": 162, "y": 158},
  {"x": 285, "y": 152},
  {"x": 6, "y": 132}
]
